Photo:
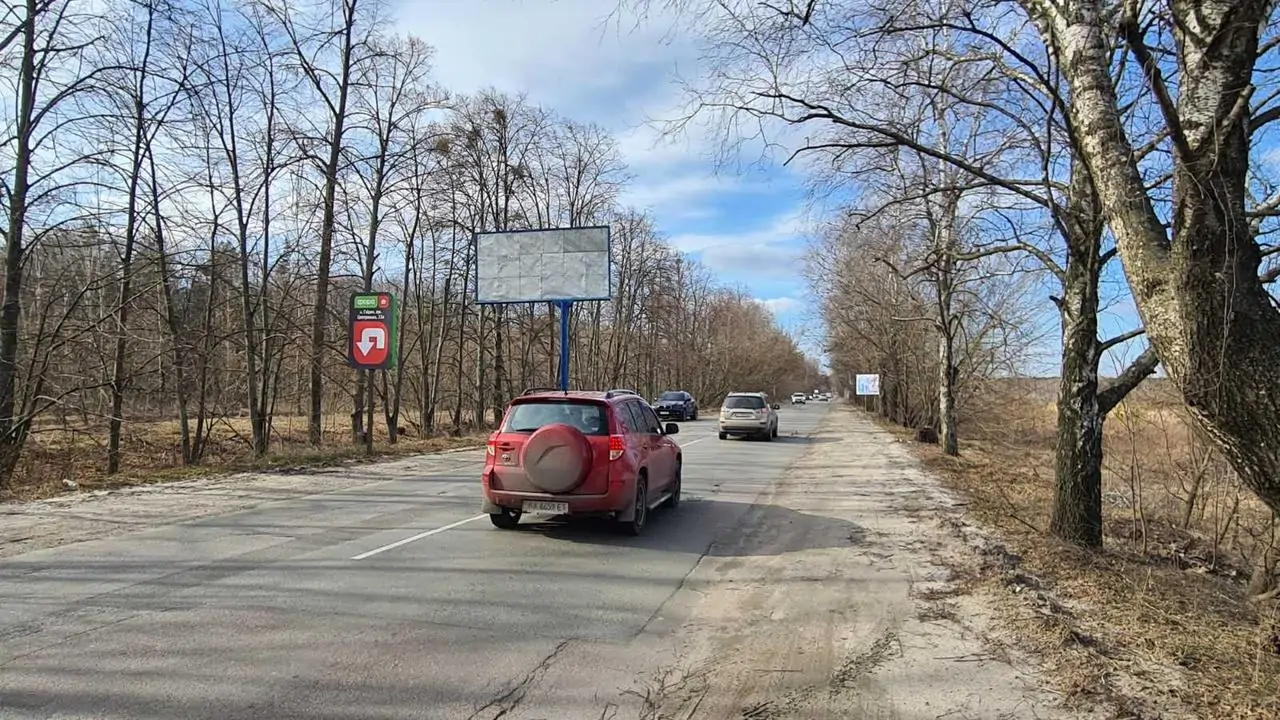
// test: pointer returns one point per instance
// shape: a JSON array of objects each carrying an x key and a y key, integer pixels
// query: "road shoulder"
[{"x": 847, "y": 607}]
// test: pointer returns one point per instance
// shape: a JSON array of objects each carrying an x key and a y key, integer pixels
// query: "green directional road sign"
[{"x": 371, "y": 331}]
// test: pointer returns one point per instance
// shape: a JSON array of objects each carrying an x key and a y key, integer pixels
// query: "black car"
[{"x": 676, "y": 405}]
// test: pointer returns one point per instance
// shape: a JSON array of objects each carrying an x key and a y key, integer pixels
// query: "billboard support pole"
[{"x": 566, "y": 306}]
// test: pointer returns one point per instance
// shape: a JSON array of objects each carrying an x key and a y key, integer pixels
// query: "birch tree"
[
  {"x": 1196, "y": 278},
  {"x": 846, "y": 67}
]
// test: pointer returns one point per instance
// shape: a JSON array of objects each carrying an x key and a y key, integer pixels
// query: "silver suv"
[{"x": 748, "y": 414}]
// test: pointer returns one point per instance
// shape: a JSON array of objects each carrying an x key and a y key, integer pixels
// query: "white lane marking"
[
  {"x": 419, "y": 536},
  {"x": 691, "y": 442}
]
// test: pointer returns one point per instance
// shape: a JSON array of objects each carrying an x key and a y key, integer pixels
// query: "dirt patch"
[
  {"x": 850, "y": 610},
  {"x": 1159, "y": 623}
]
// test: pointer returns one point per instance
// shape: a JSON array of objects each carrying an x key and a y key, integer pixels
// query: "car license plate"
[{"x": 546, "y": 508}]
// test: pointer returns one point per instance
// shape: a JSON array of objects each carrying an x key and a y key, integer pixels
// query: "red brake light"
[
  {"x": 616, "y": 447},
  {"x": 491, "y": 447}
]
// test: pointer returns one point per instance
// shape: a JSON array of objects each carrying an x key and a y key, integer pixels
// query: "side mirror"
[
  {"x": 671, "y": 429},
  {"x": 776, "y": 406}
]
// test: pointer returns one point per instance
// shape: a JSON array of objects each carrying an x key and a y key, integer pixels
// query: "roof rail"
[
  {"x": 532, "y": 390},
  {"x": 615, "y": 393}
]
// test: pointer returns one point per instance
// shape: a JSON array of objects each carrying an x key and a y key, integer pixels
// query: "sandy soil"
[{"x": 852, "y": 611}]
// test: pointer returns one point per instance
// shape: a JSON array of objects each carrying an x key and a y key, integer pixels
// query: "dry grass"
[
  {"x": 66, "y": 458},
  {"x": 1160, "y": 622}
]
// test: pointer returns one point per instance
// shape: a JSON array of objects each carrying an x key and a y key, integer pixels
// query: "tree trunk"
[
  {"x": 947, "y": 245},
  {"x": 1077, "y": 509},
  {"x": 12, "y": 432},
  {"x": 437, "y": 361},
  {"x": 120, "y": 371},
  {"x": 947, "y": 436},
  {"x": 172, "y": 322},
  {"x": 1206, "y": 313},
  {"x": 320, "y": 318}
]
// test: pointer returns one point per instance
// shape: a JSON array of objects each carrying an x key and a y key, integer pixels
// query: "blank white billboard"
[{"x": 543, "y": 265}]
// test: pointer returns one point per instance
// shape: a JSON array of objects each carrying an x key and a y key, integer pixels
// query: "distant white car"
[{"x": 797, "y": 398}]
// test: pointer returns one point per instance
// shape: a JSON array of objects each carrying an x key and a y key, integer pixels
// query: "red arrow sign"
[{"x": 370, "y": 342}]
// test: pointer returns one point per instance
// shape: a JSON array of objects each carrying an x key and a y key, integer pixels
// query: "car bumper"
[
  {"x": 744, "y": 426},
  {"x": 616, "y": 500},
  {"x": 666, "y": 413}
]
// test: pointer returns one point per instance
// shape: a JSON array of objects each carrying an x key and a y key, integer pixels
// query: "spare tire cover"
[{"x": 557, "y": 458}]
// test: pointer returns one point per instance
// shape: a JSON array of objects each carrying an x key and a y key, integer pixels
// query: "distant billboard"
[
  {"x": 868, "y": 384},
  {"x": 549, "y": 265}
]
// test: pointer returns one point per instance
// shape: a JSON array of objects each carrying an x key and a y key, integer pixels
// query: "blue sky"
[{"x": 746, "y": 225}]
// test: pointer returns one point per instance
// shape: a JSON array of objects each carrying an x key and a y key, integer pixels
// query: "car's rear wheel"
[
  {"x": 506, "y": 520},
  {"x": 636, "y": 524},
  {"x": 673, "y": 500},
  {"x": 724, "y": 436}
]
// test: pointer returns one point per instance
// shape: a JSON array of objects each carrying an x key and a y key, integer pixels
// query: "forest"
[{"x": 194, "y": 188}]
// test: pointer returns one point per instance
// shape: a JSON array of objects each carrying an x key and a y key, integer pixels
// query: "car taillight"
[
  {"x": 491, "y": 447},
  {"x": 616, "y": 447}
]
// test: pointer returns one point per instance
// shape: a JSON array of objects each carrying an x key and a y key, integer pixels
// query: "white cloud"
[
  {"x": 772, "y": 249},
  {"x": 572, "y": 57},
  {"x": 642, "y": 148},
  {"x": 564, "y": 53},
  {"x": 784, "y": 229},
  {"x": 782, "y": 305},
  {"x": 686, "y": 195},
  {"x": 752, "y": 259}
]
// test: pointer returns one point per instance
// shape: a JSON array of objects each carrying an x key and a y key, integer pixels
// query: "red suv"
[{"x": 580, "y": 453}]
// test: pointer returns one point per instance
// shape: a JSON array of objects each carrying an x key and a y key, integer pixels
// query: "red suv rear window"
[{"x": 526, "y": 417}]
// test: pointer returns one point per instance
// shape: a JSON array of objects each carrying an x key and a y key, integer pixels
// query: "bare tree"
[
  {"x": 849, "y": 68},
  {"x": 328, "y": 45},
  {"x": 44, "y": 44},
  {"x": 390, "y": 100},
  {"x": 243, "y": 85},
  {"x": 162, "y": 265},
  {"x": 151, "y": 83},
  {"x": 1195, "y": 281}
]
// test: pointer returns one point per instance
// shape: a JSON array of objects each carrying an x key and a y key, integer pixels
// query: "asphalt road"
[{"x": 392, "y": 598}]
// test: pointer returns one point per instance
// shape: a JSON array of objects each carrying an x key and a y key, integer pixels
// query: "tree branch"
[
  {"x": 1168, "y": 108},
  {"x": 1028, "y": 248},
  {"x": 1116, "y": 390},
  {"x": 1106, "y": 345},
  {"x": 817, "y": 111}
]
